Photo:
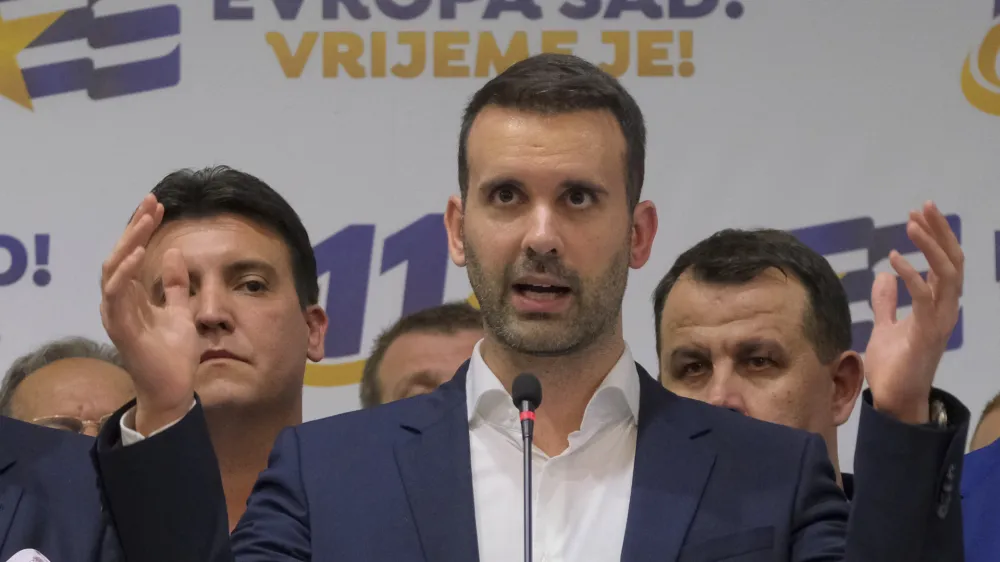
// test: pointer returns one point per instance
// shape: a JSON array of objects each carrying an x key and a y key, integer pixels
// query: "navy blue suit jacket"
[
  {"x": 49, "y": 497},
  {"x": 981, "y": 504},
  {"x": 394, "y": 483}
]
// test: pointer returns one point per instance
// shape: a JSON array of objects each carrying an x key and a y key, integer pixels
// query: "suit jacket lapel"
[
  {"x": 9, "y": 498},
  {"x": 434, "y": 463},
  {"x": 10, "y": 494},
  {"x": 7, "y": 457},
  {"x": 671, "y": 470}
]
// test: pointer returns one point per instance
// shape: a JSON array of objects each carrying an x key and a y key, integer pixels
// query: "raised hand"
[
  {"x": 903, "y": 355},
  {"x": 158, "y": 341}
]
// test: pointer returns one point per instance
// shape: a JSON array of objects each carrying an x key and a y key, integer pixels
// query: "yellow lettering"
[
  {"x": 686, "y": 68},
  {"x": 445, "y": 52},
  {"x": 620, "y": 40},
  {"x": 334, "y": 56},
  {"x": 292, "y": 64},
  {"x": 417, "y": 41},
  {"x": 553, "y": 41},
  {"x": 648, "y": 51},
  {"x": 378, "y": 54},
  {"x": 489, "y": 53}
]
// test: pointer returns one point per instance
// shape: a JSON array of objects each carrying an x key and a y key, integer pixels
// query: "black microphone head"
[{"x": 526, "y": 388}]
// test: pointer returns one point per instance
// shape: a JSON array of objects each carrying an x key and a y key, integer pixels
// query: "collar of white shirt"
[{"x": 616, "y": 399}]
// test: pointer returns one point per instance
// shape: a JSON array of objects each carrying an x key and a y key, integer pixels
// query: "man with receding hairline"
[
  {"x": 419, "y": 352},
  {"x": 72, "y": 384}
]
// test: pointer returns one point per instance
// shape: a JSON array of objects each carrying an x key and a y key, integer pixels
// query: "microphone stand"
[
  {"x": 526, "y": 392},
  {"x": 527, "y": 431}
]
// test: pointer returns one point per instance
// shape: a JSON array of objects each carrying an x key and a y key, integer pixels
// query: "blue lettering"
[
  {"x": 42, "y": 277},
  {"x": 224, "y": 10},
  {"x": 347, "y": 257},
  {"x": 589, "y": 9},
  {"x": 528, "y": 9},
  {"x": 18, "y": 260},
  {"x": 680, "y": 8},
  {"x": 414, "y": 10},
  {"x": 288, "y": 9},
  {"x": 448, "y": 8},
  {"x": 423, "y": 247},
  {"x": 860, "y": 233},
  {"x": 649, "y": 8},
  {"x": 357, "y": 10}
]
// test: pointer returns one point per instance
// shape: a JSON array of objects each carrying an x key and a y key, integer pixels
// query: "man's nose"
[
  {"x": 725, "y": 390},
  {"x": 543, "y": 237}
]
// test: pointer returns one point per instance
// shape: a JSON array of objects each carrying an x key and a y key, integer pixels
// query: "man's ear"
[
  {"x": 848, "y": 372},
  {"x": 644, "y": 225},
  {"x": 317, "y": 322},
  {"x": 454, "y": 223}
]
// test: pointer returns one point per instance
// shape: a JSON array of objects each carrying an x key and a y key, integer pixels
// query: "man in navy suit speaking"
[{"x": 548, "y": 222}]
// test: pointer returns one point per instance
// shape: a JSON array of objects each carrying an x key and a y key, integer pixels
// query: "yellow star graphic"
[{"x": 15, "y": 35}]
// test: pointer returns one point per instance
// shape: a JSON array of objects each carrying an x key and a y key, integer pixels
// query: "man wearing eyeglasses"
[{"x": 72, "y": 384}]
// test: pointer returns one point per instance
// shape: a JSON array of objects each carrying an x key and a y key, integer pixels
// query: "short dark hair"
[
  {"x": 47, "y": 354},
  {"x": 734, "y": 257},
  {"x": 447, "y": 318},
  {"x": 209, "y": 192},
  {"x": 553, "y": 83}
]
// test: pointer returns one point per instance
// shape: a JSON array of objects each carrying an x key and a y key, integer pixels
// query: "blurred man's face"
[
  {"x": 744, "y": 347},
  {"x": 988, "y": 431},
  {"x": 70, "y": 391},
  {"x": 255, "y": 335},
  {"x": 546, "y": 230},
  {"x": 419, "y": 362}
]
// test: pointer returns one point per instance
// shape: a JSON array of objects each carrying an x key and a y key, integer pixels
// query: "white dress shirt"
[
  {"x": 127, "y": 424},
  {"x": 580, "y": 497}
]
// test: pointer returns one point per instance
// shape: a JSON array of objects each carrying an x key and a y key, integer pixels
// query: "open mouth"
[{"x": 541, "y": 291}]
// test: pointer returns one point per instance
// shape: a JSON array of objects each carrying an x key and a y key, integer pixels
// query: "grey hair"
[{"x": 66, "y": 348}]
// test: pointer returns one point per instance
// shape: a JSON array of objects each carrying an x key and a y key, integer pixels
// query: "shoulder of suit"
[
  {"x": 739, "y": 428},
  {"x": 28, "y": 441},
  {"x": 981, "y": 468},
  {"x": 41, "y": 458},
  {"x": 701, "y": 417},
  {"x": 382, "y": 419}
]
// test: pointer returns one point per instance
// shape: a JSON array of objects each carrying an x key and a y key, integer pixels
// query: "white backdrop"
[{"x": 798, "y": 113}]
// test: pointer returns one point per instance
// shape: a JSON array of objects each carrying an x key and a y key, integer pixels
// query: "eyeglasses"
[{"x": 70, "y": 423}]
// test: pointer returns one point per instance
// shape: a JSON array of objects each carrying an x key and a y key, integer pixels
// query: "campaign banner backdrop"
[{"x": 829, "y": 118}]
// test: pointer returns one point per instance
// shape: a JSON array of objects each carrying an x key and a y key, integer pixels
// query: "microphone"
[{"x": 527, "y": 395}]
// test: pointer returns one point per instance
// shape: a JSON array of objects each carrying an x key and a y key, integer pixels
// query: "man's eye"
[
  {"x": 759, "y": 363},
  {"x": 505, "y": 195},
  {"x": 581, "y": 198},
  {"x": 690, "y": 369}
]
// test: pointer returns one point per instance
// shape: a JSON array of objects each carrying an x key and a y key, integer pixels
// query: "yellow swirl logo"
[{"x": 984, "y": 96}]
